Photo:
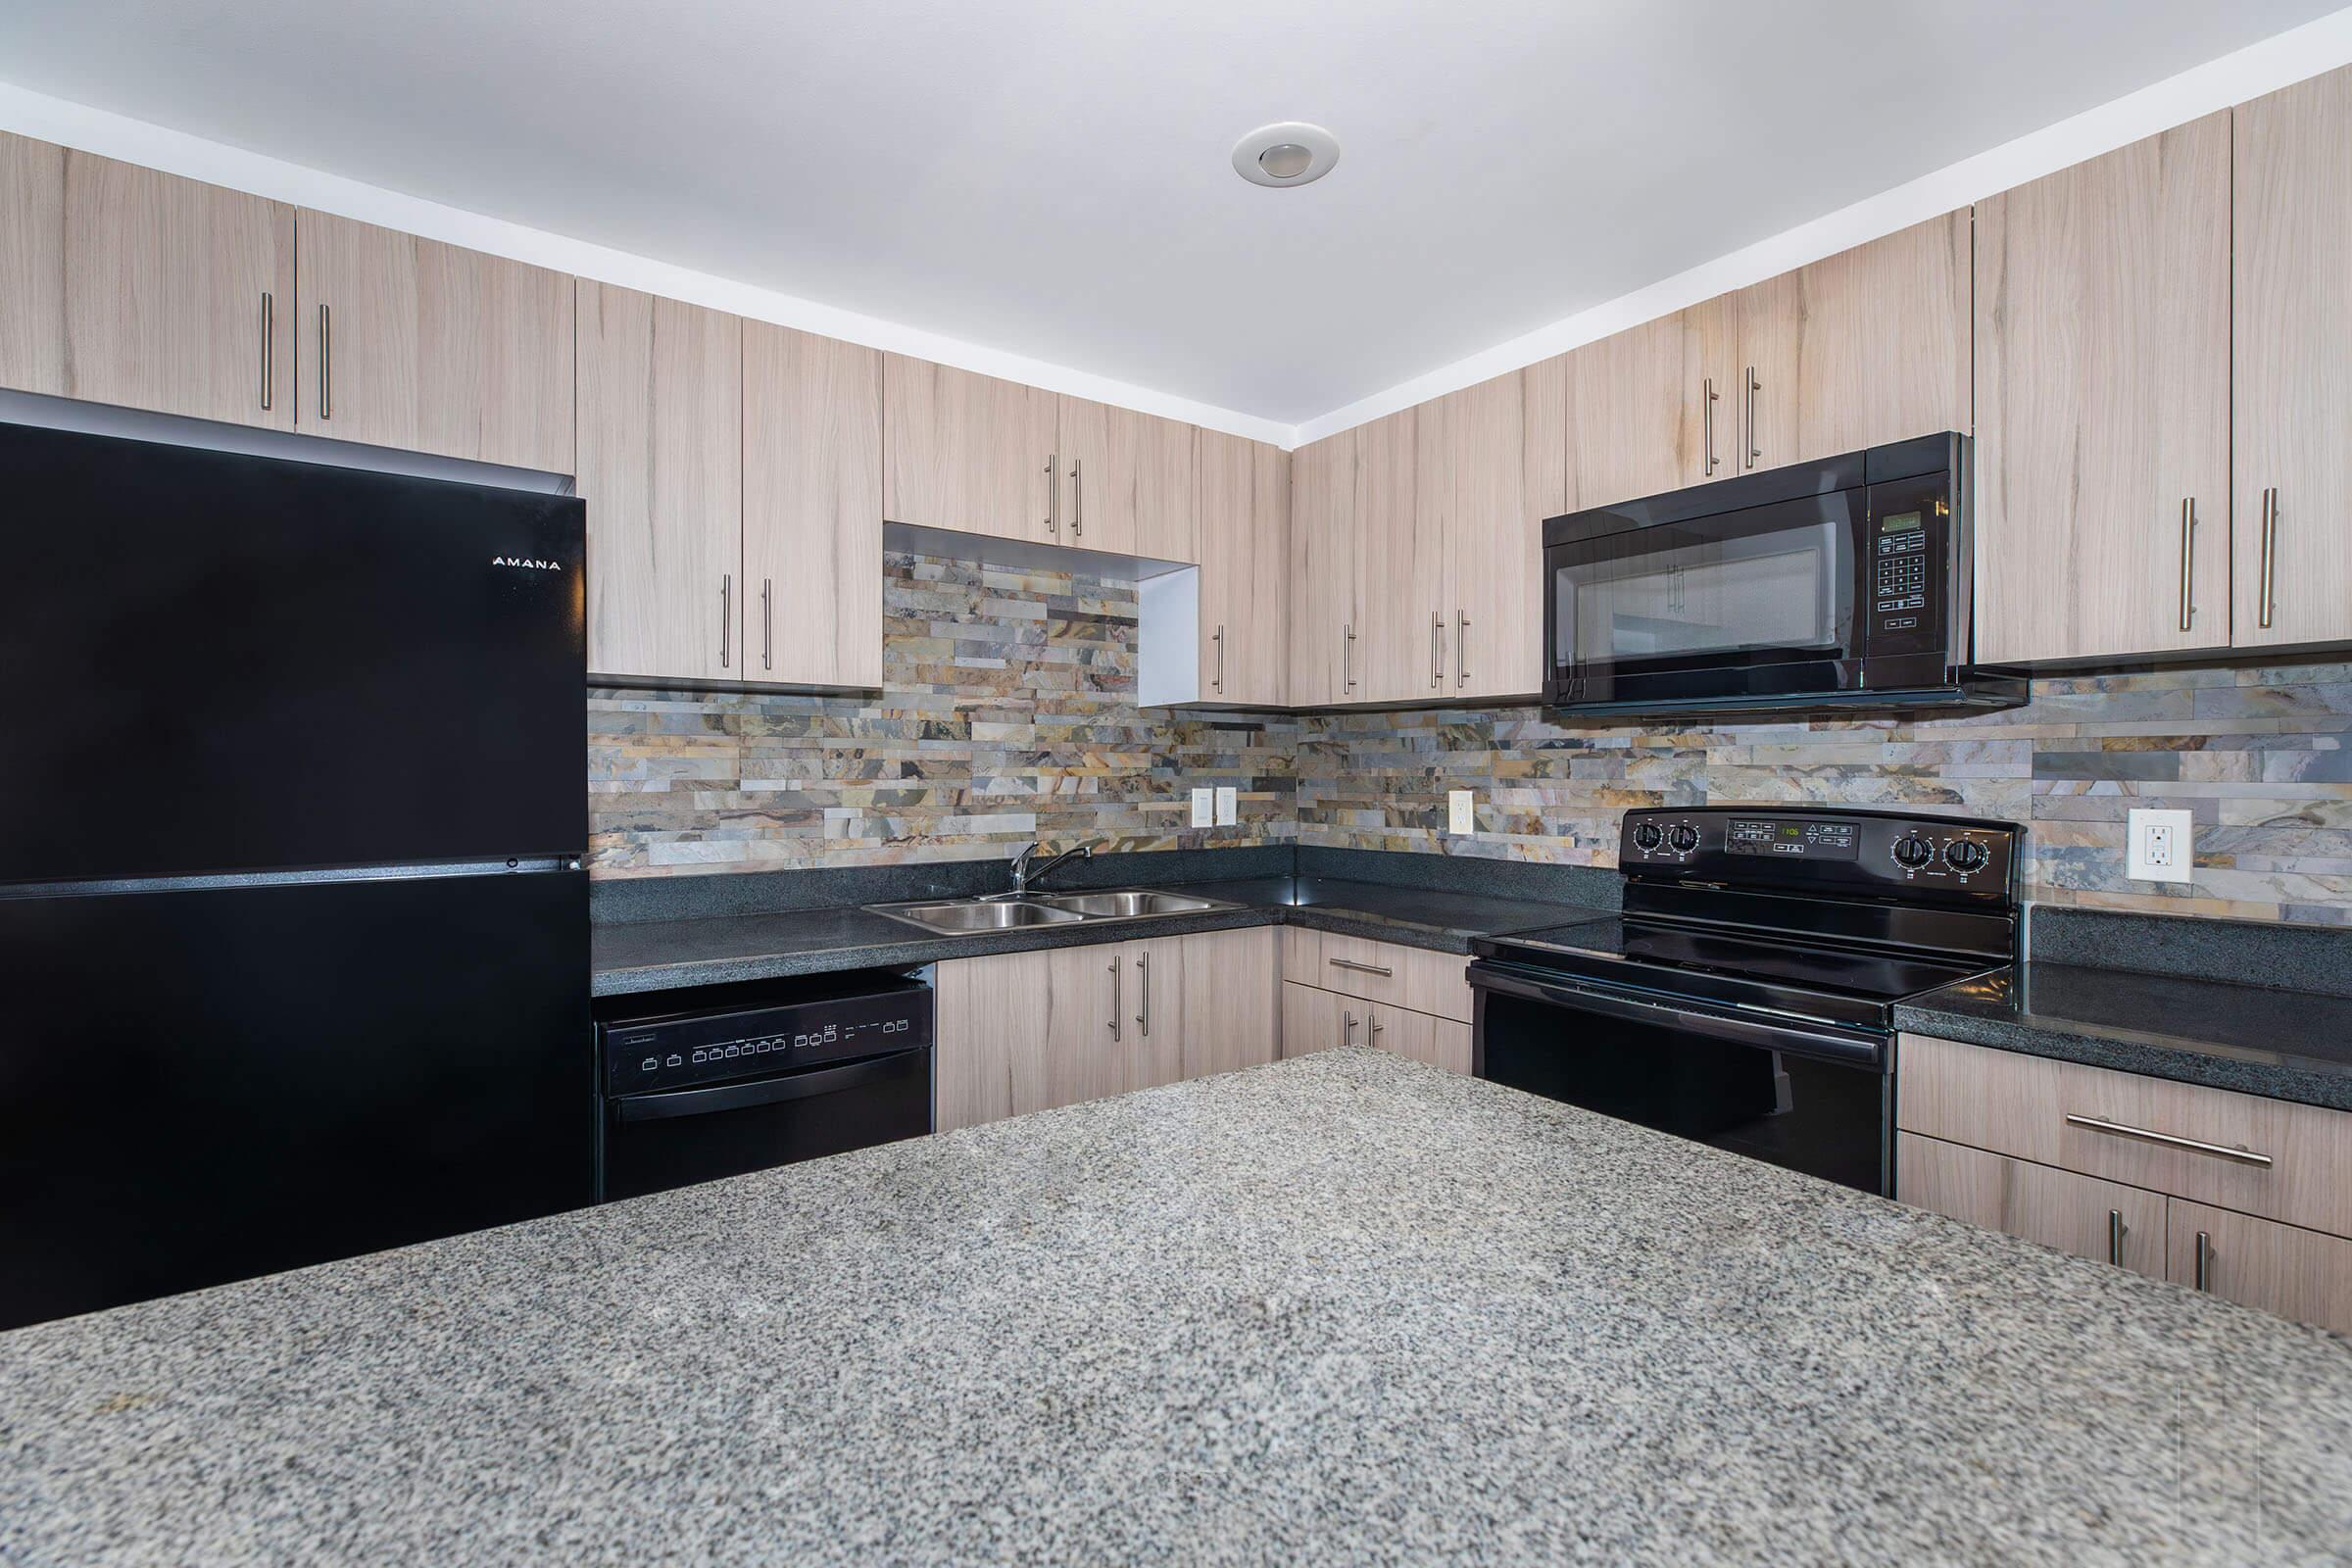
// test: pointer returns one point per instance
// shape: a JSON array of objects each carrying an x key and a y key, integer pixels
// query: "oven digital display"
[{"x": 1815, "y": 841}]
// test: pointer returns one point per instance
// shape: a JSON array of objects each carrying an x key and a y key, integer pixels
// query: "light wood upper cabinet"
[
  {"x": 1394, "y": 561},
  {"x": 1491, "y": 607},
  {"x": 408, "y": 342},
  {"x": 2103, "y": 446},
  {"x": 1245, "y": 512},
  {"x": 812, "y": 509},
  {"x": 139, "y": 288},
  {"x": 1638, "y": 428},
  {"x": 661, "y": 453},
  {"x": 2293, "y": 369},
  {"x": 1856, "y": 349},
  {"x": 1548, "y": 480},
  {"x": 969, "y": 452},
  {"x": 1100, "y": 448},
  {"x": 1167, "y": 485},
  {"x": 1323, "y": 661}
]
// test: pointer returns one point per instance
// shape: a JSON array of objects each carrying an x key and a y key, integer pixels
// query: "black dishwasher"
[{"x": 728, "y": 1079}]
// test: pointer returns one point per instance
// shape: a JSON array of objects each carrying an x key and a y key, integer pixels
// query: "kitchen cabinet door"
[
  {"x": 969, "y": 452},
  {"x": 1085, "y": 1029},
  {"x": 1855, "y": 350},
  {"x": 1398, "y": 568},
  {"x": 1547, "y": 482},
  {"x": 176, "y": 296},
  {"x": 2105, "y": 1221},
  {"x": 1419, "y": 1037},
  {"x": 1157, "y": 998},
  {"x": 2103, "y": 445},
  {"x": 1323, "y": 659},
  {"x": 1232, "y": 1001},
  {"x": 812, "y": 509},
  {"x": 1245, "y": 540},
  {"x": 990, "y": 1036},
  {"x": 2293, "y": 366},
  {"x": 33, "y": 266},
  {"x": 660, "y": 449},
  {"x": 1642, "y": 415},
  {"x": 2261, "y": 1263},
  {"x": 1101, "y": 450},
  {"x": 411, "y": 343},
  {"x": 1168, "y": 480},
  {"x": 1491, "y": 611},
  {"x": 1318, "y": 1020}
]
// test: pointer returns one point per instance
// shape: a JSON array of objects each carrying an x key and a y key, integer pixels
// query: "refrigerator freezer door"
[
  {"x": 198, "y": 1086},
  {"x": 228, "y": 662}
]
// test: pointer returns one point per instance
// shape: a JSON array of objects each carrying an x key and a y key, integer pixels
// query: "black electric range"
[{"x": 1746, "y": 997}]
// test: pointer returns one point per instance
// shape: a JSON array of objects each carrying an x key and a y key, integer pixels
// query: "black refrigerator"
[{"x": 293, "y": 929}]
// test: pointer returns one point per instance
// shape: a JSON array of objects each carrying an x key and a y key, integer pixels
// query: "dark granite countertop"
[
  {"x": 2286, "y": 1045},
  {"x": 667, "y": 955}
]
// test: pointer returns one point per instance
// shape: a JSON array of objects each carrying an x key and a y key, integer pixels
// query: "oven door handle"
[
  {"x": 665, "y": 1103},
  {"x": 1822, "y": 1045}
]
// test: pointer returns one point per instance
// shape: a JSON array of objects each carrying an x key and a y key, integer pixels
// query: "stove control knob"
[
  {"x": 1913, "y": 852},
  {"x": 1684, "y": 838},
  {"x": 1966, "y": 855},
  {"x": 1646, "y": 836}
]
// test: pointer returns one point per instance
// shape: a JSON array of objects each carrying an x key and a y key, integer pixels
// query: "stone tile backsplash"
[{"x": 1008, "y": 715}]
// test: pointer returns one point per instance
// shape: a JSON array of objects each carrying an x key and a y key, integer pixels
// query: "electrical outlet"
[
  {"x": 1459, "y": 817},
  {"x": 2161, "y": 847},
  {"x": 1229, "y": 805},
  {"x": 1204, "y": 803}
]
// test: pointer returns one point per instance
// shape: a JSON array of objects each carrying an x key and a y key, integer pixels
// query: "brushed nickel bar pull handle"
[
  {"x": 1347, "y": 656},
  {"x": 1052, "y": 495},
  {"x": 326, "y": 361},
  {"x": 1373, "y": 1037},
  {"x": 268, "y": 345},
  {"x": 2188, "y": 534},
  {"x": 2269, "y": 556},
  {"x": 1347, "y": 1028},
  {"x": 1707, "y": 411},
  {"x": 2117, "y": 1129},
  {"x": 1114, "y": 998},
  {"x": 767, "y": 623},
  {"x": 1753, "y": 387},
  {"x": 2204, "y": 1260},
  {"x": 727, "y": 614},
  {"x": 1462, "y": 653},
  {"x": 1219, "y": 640},
  {"x": 2115, "y": 1237},
  {"x": 1361, "y": 968},
  {"x": 1142, "y": 984},
  {"x": 1436, "y": 651},
  {"x": 1077, "y": 498}
]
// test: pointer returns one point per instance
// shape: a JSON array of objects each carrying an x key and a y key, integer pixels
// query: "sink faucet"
[{"x": 1024, "y": 873}]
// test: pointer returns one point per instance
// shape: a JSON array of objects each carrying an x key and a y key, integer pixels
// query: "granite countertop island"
[{"x": 1344, "y": 1309}]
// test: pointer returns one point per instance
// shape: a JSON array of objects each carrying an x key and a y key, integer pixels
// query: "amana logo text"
[{"x": 526, "y": 563}]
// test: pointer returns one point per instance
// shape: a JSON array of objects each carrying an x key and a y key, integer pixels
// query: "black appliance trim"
[
  {"x": 1771, "y": 1029},
  {"x": 662, "y": 1104}
]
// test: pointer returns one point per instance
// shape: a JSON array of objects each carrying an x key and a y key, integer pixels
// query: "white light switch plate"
[
  {"x": 2159, "y": 847},
  {"x": 1458, "y": 817},
  {"x": 1202, "y": 805},
  {"x": 1229, "y": 805}
]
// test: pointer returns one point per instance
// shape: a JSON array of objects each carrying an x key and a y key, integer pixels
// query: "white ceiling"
[{"x": 1053, "y": 178}]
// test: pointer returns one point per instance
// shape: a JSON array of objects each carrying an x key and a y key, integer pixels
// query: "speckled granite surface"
[
  {"x": 664, "y": 954},
  {"x": 1344, "y": 1310},
  {"x": 2288, "y": 1045}
]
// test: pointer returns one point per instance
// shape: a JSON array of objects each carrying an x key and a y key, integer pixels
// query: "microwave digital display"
[{"x": 1900, "y": 522}]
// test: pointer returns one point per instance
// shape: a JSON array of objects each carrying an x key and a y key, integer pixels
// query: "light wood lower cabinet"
[
  {"x": 1314, "y": 1019},
  {"x": 2079, "y": 1214},
  {"x": 2260, "y": 1264},
  {"x": 1414, "y": 978},
  {"x": 406, "y": 342},
  {"x": 1029, "y": 1031}
]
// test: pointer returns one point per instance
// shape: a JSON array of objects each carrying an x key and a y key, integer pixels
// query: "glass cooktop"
[{"x": 1667, "y": 956}]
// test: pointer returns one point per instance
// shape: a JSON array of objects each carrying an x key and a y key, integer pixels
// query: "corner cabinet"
[
  {"x": 1244, "y": 541},
  {"x": 1322, "y": 573}
]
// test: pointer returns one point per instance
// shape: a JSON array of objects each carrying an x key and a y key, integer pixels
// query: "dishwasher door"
[{"x": 675, "y": 1137}]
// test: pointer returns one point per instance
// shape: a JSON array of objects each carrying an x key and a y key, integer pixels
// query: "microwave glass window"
[{"x": 1653, "y": 594}]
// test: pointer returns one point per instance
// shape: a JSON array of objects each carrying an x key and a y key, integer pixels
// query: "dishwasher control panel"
[{"x": 806, "y": 1024}]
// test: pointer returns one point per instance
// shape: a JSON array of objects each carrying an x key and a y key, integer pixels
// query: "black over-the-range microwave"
[{"x": 1841, "y": 585}]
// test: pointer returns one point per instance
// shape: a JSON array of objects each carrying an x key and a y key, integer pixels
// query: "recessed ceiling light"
[{"x": 1292, "y": 153}]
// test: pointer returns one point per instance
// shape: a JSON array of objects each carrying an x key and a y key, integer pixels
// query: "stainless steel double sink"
[{"x": 1010, "y": 911}]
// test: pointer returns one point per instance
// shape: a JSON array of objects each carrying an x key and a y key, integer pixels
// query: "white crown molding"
[
  {"x": 136, "y": 141},
  {"x": 2289, "y": 57}
]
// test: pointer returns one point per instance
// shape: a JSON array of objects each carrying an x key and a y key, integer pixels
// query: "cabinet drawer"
[
  {"x": 1415, "y": 978},
  {"x": 2105, "y": 1221},
  {"x": 2261, "y": 1156},
  {"x": 2261, "y": 1263}
]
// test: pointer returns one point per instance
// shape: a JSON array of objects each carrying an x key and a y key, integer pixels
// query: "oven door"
[
  {"x": 1812, "y": 1097},
  {"x": 1751, "y": 604}
]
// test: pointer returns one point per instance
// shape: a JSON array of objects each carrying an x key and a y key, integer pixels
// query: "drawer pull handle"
[
  {"x": 1363, "y": 968},
  {"x": 2117, "y": 1129}
]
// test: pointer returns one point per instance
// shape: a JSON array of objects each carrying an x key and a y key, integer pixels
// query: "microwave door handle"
[
  {"x": 663, "y": 1105},
  {"x": 1690, "y": 1019}
]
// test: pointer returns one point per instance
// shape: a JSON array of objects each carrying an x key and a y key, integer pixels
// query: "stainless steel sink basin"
[
  {"x": 975, "y": 914},
  {"x": 1127, "y": 903}
]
